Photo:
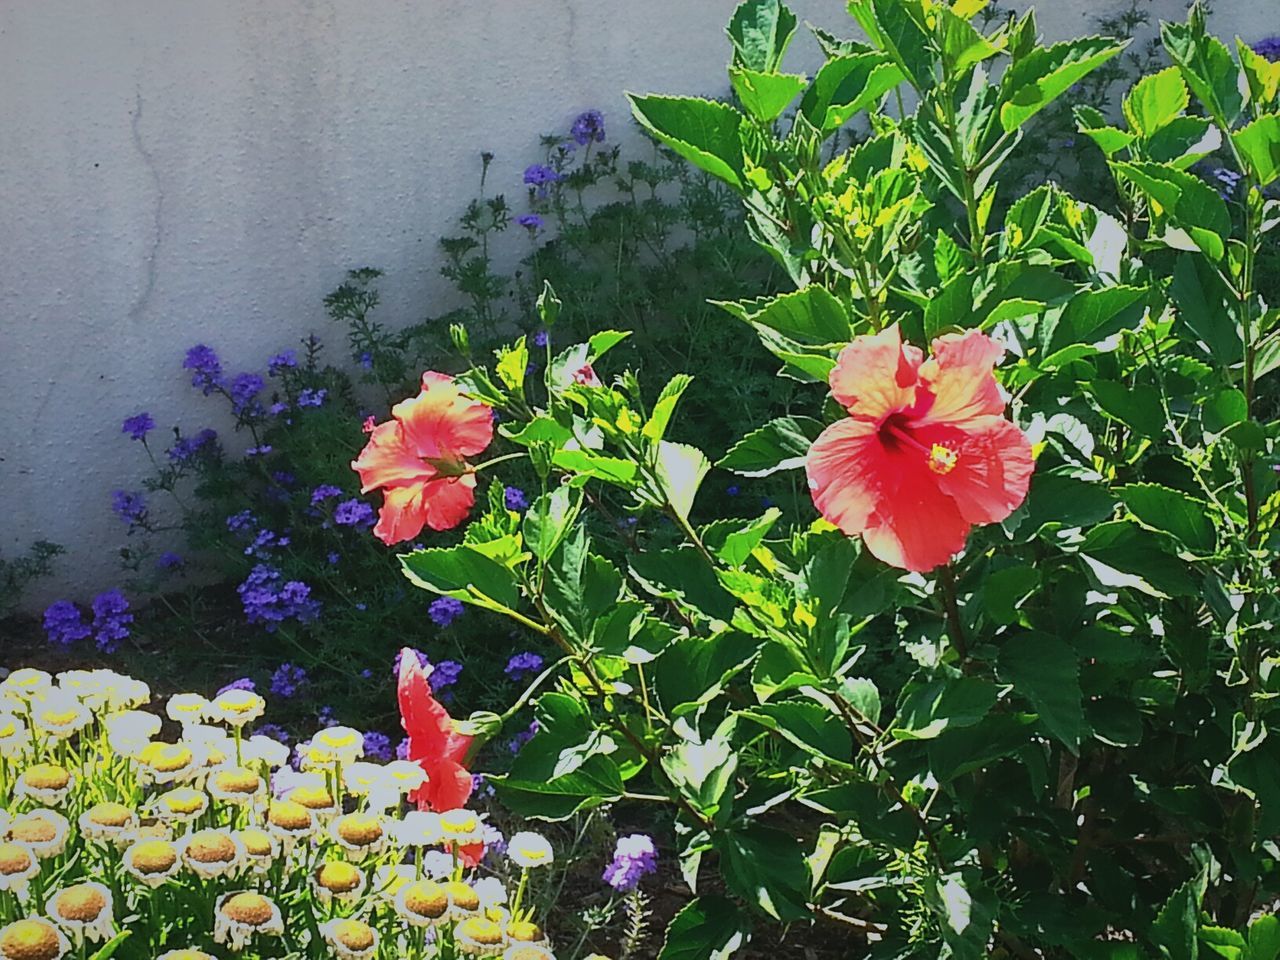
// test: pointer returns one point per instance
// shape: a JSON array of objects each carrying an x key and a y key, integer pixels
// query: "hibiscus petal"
[
  {"x": 917, "y": 526},
  {"x": 846, "y": 467},
  {"x": 448, "y": 500},
  {"x": 959, "y": 378},
  {"x": 442, "y": 424},
  {"x": 403, "y": 514},
  {"x": 448, "y": 788},
  {"x": 387, "y": 461},
  {"x": 992, "y": 471},
  {"x": 876, "y": 375}
]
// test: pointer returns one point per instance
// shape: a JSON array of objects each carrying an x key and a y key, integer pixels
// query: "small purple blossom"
[
  {"x": 285, "y": 360},
  {"x": 530, "y": 221},
  {"x": 64, "y": 624},
  {"x": 353, "y": 513},
  {"x": 287, "y": 680},
  {"x": 445, "y": 610},
  {"x": 312, "y": 398},
  {"x": 111, "y": 619},
  {"x": 244, "y": 388},
  {"x": 523, "y": 737},
  {"x": 1229, "y": 180},
  {"x": 185, "y": 449},
  {"x": 732, "y": 490},
  {"x": 261, "y": 451},
  {"x": 244, "y": 683},
  {"x": 523, "y": 664},
  {"x": 129, "y": 506},
  {"x": 205, "y": 367},
  {"x": 268, "y": 601},
  {"x": 515, "y": 499},
  {"x": 333, "y": 559},
  {"x": 540, "y": 338},
  {"x": 588, "y": 126},
  {"x": 138, "y": 425},
  {"x": 366, "y": 360},
  {"x": 634, "y": 857},
  {"x": 240, "y": 522},
  {"x": 1269, "y": 48},
  {"x": 326, "y": 491},
  {"x": 275, "y": 732},
  {"x": 277, "y": 408},
  {"x": 326, "y": 717},
  {"x": 539, "y": 175},
  {"x": 402, "y": 749},
  {"x": 377, "y": 747},
  {"x": 264, "y": 542},
  {"x": 170, "y": 561},
  {"x": 445, "y": 674},
  {"x": 422, "y": 661}
]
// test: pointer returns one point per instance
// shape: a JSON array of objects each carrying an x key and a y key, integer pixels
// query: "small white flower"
[
  {"x": 18, "y": 864},
  {"x": 108, "y": 821},
  {"x": 26, "y": 684},
  {"x": 161, "y": 763},
  {"x": 526, "y": 849},
  {"x": 235, "y": 785},
  {"x": 389, "y": 878},
  {"x": 333, "y": 745},
  {"x": 437, "y": 864},
  {"x": 350, "y": 939},
  {"x": 419, "y": 828},
  {"x": 361, "y": 777},
  {"x": 338, "y": 880},
  {"x": 360, "y": 833},
  {"x": 461, "y": 827},
  {"x": 422, "y": 903},
  {"x": 129, "y": 731},
  {"x": 261, "y": 848},
  {"x": 186, "y": 708},
  {"x": 46, "y": 783},
  {"x": 84, "y": 910},
  {"x": 262, "y": 749},
  {"x": 186, "y": 953},
  {"x": 236, "y": 707},
  {"x": 479, "y": 937},
  {"x": 528, "y": 951},
  {"x": 405, "y": 775},
  {"x": 123, "y": 692},
  {"x": 45, "y": 831},
  {"x": 59, "y": 714},
  {"x": 179, "y": 805},
  {"x": 153, "y": 861},
  {"x": 212, "y": 853},
  {"x": 14, "y": 737},
  {"x": 490, "y": 891},
  {"x": 240, "y": 916},
  {"x": 18, "y": 939}
]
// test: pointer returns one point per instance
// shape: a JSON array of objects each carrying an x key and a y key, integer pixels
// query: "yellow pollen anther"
[{"x": 942, "y": 460}]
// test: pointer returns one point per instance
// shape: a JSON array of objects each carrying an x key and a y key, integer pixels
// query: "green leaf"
[
  {"x": 766, "y": 867},
  {"x": 1264, "y": 938},
  {"x": 548, "y": 520},
  {"x": 1259, "y": 144},
  {"x": 811, "y": 727},
  {"x": 681, "y": 469},
  {"x": 548, "y": 305},
  {"x": 1262, "y": 75},
  {"x": 847, "y": 85},
  {"x": 760, "y": 31},
  {"x": 708, "y": 928},
  {"x": 459, "y": 572},
  {"x": 1045, "y": 671},
  {"x": 1093, "y": 315},
  {"x": 512, "y": 365},
  {"x": 1225, "y": 942},
  {"x": 655, "y": 427},
  {"x": 1173, "y": 512},
  {"x": 621, "y": 473},
  {"x": 703, "y": 771},
  {"x": 703, "y": 132},
  {"x": 1123, "y": 554},
  {"x": 810, "y": 315},
  {"x": 780, "y": 444},
  {"x": 1155, "y": 100},
  {"x": 765, "y": 95},
  {"x": 1186, "y": 202},
  {"x": 682, "y": 574},
  {"x": 1033, "y": 82},
  {"x": 737, "y": 545},
  {"x": 1137, "y": 406},
  {"x": 1178, "y": 922},
  {"x": 1224, "y": 409},
  {"x": 1005, "y": 589},
  {"x": 862, "y": 695},
  {"x": 1206, "y": 66},
  {"x": 889, "y": 25},
  {"x": 927, "y": 709},
  {"x": 108, "y": 949},
  {"x": 603, "y": 341}
]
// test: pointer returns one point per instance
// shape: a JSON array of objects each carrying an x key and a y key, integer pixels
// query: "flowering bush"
[
  {"x": 117, "y": 841},
  {"x": 1007, "y": 689}
]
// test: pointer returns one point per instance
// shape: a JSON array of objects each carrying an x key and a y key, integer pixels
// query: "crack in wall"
[{"x": 139, "y": 305}]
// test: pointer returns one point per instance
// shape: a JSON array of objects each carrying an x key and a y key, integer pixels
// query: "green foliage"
[
  {"x": 20, "y": 572},
  {"x": 1058, "y": 743}
]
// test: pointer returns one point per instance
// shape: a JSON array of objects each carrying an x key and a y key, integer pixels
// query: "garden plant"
[{"x": 872, "y": 495}]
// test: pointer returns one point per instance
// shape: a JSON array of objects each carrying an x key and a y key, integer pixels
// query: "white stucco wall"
[{"x": 174, "y": 171}]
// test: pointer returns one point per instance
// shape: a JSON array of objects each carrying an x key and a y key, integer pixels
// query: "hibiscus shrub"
[{"x": 1008, "y": 689}]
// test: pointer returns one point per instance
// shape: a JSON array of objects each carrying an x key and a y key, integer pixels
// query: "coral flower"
[
  {"x": 925, "y": 452},
  {"x": 418, "y": 459},
  {"x": 433, "y": 742}
]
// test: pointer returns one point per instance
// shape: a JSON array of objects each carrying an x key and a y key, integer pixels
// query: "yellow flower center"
[
  {"x": 183, "y": 801},
  {"x": 251, "y": 909},
  {"x": 209, "y": 846},
  {"x": 481, "y": 931},
  {"x": 524, "y": 931},
  {"x": 30, "y": 940},
  {"x": 167, "y": 757},
  {"x": 154, "y": 856},
  {"x": 109, "y": 814},
  {"x": 33, "y": 830},
  {"x": 360, "y": 830},
  {"x": 256, "y": 843},
  {"x": 58, "y": 718},
  {"x": 353, "y": 934},
  {"x": 13, "y": 859},
  {"x": 942, "y": 460},
  {"x": 427, "y": 899},
  {"x": 46, "y": 776},
  {"x": 463, "y": 897},
  {"x": 82, "y": 903},
  {"x": 238, "y": 780},
  {"x": 313, "y": 798},
  {"x": 289, "y": 815},
  {"x": 337, "y": 876}
]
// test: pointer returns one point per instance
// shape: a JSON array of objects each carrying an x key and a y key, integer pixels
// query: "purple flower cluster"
[
  {"x": 240, "y": 522},
  {"x": 523, "y": 737},
  {"x": 285, "y": 360},
  {"x": 515, "y": 499},
  {"x": 523, "y": 664},
  {"x": 353, "y": 513},
  {"x": 1269, "y": 48},
  {"x": 64, "y": 624},
  {"x": 445, "y": 674},
  {"x": 244, "y": 683},
  {"x": 264, "y": 542},
  {"x": 129, "y": 506},
  {"x": 634, "y": 857},
  {"x": 111, "y": 619},
  {"x": 312, "y": 398},
  {"x": 326, "y": 491},
  {"x": 138, "y": 426},
  {"x": 288, "y": 680},
  {"x": 530, "y": 221},
  {"x": 244, "y": 388},
  {"x": 377, "y": 747},
  {"x": 540, "y": 339},
  {"x": 1229, "y": 180},
  {"x": 268, "y": 600},
  {"x": 185, "y": 449},
  {"x": 445, "y": 610},
  {"x": 205, "y": 367},
  {"x": 539, "y": 175},
  {"x": 588, "y": 126},
  {"x": 170, "y": 561}
]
